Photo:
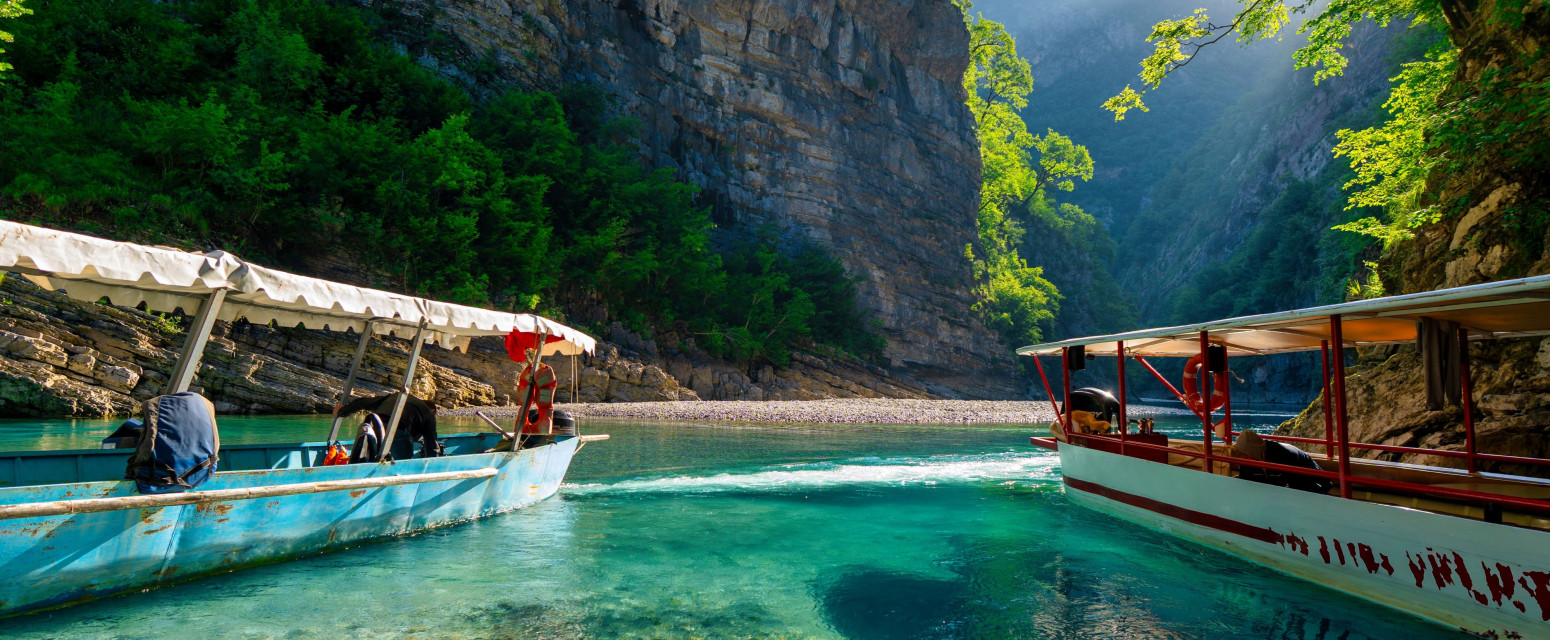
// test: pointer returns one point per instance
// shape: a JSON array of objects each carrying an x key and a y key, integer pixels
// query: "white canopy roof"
[
  {"x": 89, "y": 269},
  {"x": 1510, "y": 308}
]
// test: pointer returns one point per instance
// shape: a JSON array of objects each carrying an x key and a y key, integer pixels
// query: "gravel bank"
[{"x": 839, "y": 411}]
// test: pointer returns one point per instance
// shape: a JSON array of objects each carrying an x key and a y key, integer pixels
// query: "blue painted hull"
[{"x": 58, "y": 560}]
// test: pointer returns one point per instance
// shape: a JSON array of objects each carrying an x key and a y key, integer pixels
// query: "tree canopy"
[{"x": 1019, "y": 171}]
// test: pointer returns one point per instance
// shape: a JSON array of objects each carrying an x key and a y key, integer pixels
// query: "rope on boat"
[{"x": 122, "y": 503}]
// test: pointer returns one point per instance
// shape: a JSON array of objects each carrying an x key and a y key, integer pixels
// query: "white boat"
[
  {"x": 1464, "y": 548},
  {"x": 72, "y": 528}
]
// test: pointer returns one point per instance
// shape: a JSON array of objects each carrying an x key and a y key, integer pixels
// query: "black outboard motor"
[
  {"x": 564, "y": 424},
  {"x": 1102, "y": 404}
]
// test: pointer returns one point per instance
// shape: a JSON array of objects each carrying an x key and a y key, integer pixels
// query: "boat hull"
[
  {"x": 51, "y": 561},
  {"x": 1486, "y": 579}
]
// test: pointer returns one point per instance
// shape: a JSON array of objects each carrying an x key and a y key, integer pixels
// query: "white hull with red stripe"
[{"x": 1487, "y": 579}]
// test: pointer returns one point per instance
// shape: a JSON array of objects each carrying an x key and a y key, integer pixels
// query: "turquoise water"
[{"x": 676, "y": 530}]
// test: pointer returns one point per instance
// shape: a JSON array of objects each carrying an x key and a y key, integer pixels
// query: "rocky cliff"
[
  {"x": 61, "y": 357},
  {"x": 840, "y": 122},
  {"x": 1486, "y": 239}
]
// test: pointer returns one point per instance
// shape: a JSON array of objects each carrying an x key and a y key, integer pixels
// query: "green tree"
[{"x": 1017, "y": 168}]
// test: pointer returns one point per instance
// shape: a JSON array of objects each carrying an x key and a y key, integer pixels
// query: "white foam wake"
[{"x": 1033, "y": 467}]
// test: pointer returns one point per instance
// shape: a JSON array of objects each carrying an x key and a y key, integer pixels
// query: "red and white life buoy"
[{"x": 1192, "y": 390}]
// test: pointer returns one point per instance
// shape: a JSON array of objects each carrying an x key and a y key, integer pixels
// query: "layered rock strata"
[
  {"x": 840, "y": 122},
  {"x": 62, "y": 357}
]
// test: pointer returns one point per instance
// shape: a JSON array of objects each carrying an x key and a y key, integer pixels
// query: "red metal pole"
[
  {"x": 1469, "y": 409},
  {"x": 1340, "y": 413},
  {"x": 1226, "y": 405},
  {"x": 1124, "y": 427},
  {"x": 1329, "y": 424},
  {"x": 1164, "y": 382},
  {"x": 1065, "y": 381},
  {"x": 1048, "y": 392},
  {"x": 1205, "y": 395}
]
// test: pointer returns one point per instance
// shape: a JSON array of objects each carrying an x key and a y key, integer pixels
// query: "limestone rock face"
[
  {"x": 60, "y": 357},
  {"x": 841, "y": 122}
]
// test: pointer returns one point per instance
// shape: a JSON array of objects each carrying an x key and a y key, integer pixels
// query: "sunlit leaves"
[
  {"x": 1061, "y": 162},
  {"x": 1370, "y": 226},
  {"x": 1176, "y": 42},
  {"x": 1392, "y": 160},
  {"x": 1124, "y": 102},
  {"x": 1016, "y": 299},
  {"x": 10, "y": 9}
]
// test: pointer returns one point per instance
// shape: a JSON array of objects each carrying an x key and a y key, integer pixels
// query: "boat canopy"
[
  {"x": 165, "y": 279},
  {"x": 1505, "y": 309}
]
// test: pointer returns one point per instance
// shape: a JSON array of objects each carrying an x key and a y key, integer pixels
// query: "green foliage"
[
  {"x": 1364, "y": 287},
  {"x": 1392, "y": 160},
  {"x": 10, "y": 9},
  {"x": 1436, "y": 125},
  {"x": 284, "y": 129},
  {"x": 1290, "y": 259},
  {"x": 774, "y": 301},
  {"x": 1177, "y": 42},
  {"x": 1018, "y": 168}
]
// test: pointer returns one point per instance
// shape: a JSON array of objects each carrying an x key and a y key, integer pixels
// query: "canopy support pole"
[
  {"x": 1205, "y": 394},
  {"x": 349, "y": 381},
  {"x": 1340, "y": 408},
  {"x": 1329, "y": 425},
  {"x": 1065, "y": 381},
  {"x": 1164, "y": 381},
  {"x": 1048, "y": 392},
  {"x": 1468, "y": 403},
  {"x": 1124, "y": 426},
  {"x": 403, "y": 391},
  {"x": 194, "y": 345},
  {"x": 1226, "y": 403},
  {"x": 532, "y": 391}
]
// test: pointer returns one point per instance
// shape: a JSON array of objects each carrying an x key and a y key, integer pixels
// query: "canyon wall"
[{"x": 840, "y": 122}]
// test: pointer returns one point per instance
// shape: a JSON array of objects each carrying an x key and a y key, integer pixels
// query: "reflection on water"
[{"x": 675, "y": 530}]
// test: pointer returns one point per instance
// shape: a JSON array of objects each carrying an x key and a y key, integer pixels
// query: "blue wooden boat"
[{"x": 71, "y": 528}]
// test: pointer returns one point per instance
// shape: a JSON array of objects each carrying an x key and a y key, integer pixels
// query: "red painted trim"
[
  {"x": 1176, "y": 512},
  {"x": 1047, "y": 443}
]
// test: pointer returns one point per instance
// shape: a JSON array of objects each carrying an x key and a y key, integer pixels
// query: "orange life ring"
[{"x": 1192, "y": 391}]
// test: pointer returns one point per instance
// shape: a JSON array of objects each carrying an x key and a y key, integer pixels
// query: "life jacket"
[
  {"x": 178, "y": 447},
  {"x": 335, "y": 455},
  {"x": 368, "y": 440},
  {"x": 543, "y": 401}
]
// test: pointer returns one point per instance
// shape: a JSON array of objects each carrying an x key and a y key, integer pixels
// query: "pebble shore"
[{"x": 838, "y": 411}]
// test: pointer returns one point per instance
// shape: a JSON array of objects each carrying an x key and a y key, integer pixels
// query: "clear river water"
[{"x": 695, "y": 530}]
